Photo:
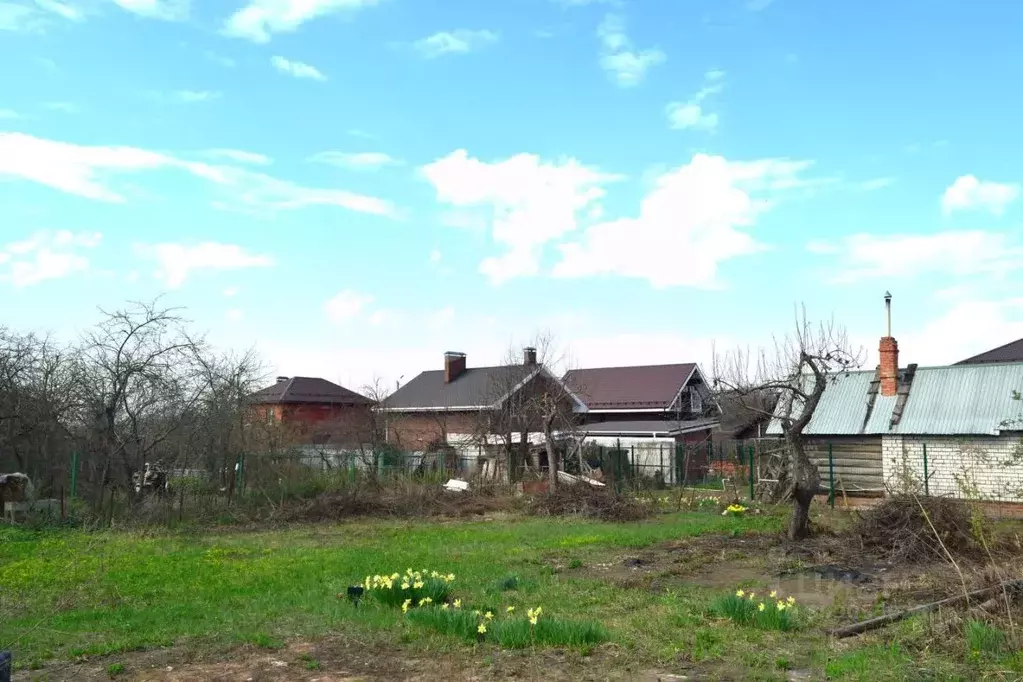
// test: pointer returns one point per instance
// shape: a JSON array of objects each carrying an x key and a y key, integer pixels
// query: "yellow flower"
[
  {"x": 418, "y": 584},
  {"x": 426, "y": 600},
  {"x": 444, "y": 606},
  {"x": 532, "y": 620},
  {"x": 761, "y": 607},
  {"x": 781, "y": 605},
  {"x": 408, "y": 571},
  {"x": 434, "y": 574},
  {"x": 488, "y": 615},
  {"x": 458, "y": 603},
  {"x": 481, "y": 629},
  {"x": 404, "y": 586},
  {"x": 476, "y": 612},
  {"x": 751, "y": 595},
  {"x": 791, "y": 600},
  {"x": 510, "y": 609},
  {"x": 740, "y": 594},
  {"x": 451, "y": 577},
  {"x": 405, "y": 605},
  {"x": 774, "y": 593},
  {"x": 394, "y": 576}
]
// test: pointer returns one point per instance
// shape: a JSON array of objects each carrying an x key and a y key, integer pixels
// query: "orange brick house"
[{"x": 311, "y": 409}]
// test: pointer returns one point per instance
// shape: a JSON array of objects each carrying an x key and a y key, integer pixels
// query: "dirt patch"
[{"x": 339, "y": 659}]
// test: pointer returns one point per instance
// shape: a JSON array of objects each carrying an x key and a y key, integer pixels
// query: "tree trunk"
[
  {"x": 805, "y": 484},
  {"x": 552, "y": 460}
]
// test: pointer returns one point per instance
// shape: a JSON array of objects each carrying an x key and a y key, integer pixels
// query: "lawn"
[{"x": 68, "y": 594}]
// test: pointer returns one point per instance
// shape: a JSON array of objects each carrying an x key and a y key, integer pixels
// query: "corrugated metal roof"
[
  {"x": 952, "y": 400},
  {"x": 476, "y": 387}
]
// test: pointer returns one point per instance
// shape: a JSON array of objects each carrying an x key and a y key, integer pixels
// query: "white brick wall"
[{"x": 984, "y": 468}]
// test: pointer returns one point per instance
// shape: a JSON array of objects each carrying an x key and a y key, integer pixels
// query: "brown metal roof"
[
  {"x": 1010, "y": 352},
  {"x": 630, "y": 388},
  {"x": 475, "y": 387},
  {"x": 307, "y": 390}
]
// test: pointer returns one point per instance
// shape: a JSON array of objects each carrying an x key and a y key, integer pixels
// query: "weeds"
[
  {"x": 768, "y": 613},
  {"x": 982, "y": 638},
  {"x": 414, "y": 588}
]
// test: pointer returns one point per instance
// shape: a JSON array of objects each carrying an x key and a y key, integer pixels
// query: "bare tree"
[
  {"x": 528, "y": 397},
  {"x": 804, "y": 362}
]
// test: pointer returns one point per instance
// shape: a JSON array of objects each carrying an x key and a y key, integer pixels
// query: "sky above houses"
[{"x": 353, "y": 187}]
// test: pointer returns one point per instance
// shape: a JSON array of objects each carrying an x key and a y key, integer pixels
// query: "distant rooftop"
[
  {"x": 307, "y": 390},
  {"x": 1010, "y": 352}
]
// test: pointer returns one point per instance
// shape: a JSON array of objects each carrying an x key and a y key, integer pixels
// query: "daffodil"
[
  {"x": 450, "y": 577},
  {"x": 751, "y": 595},
  {"x": 510, "y": 609},
  {"x": 444, "y": 606},
  {"x": 426, "y": 600},
  {"x": 418, "y": 584},
  {"x": 488, "y": 615},
  {"x": 760, "y": 607},
  {"x": 458, "y": 603},
  {"x": 740, "y": 594},
  {"x": 791, "y": 600},
  {"x": 774, "y": 593},
  {"x": 482, "y": 628},
  {"x": 781, "y": 605},
  {"x": 476, "y": 612},
  {"x": 405, "y": 605},
  {"x": 404, "y": 586}
]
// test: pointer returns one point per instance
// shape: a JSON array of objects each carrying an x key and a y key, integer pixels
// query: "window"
[{"x": 695, "y": 400}]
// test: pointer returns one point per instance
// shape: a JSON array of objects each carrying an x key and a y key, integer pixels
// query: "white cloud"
[
  {"x": 178, "y": 261},
  {"x": 876, "y": 183},
  {"x": 623, "y": 64},
  {"x": 700, "y": 212},
  {"x": 530, "y": 202},
  {"x": 459, "y": 41},
  {"x": 356, "y": 160},
  {"x": 45, "y": 256},
  {"x": 81, "y": 170},
  {"x": 167, "y": 10},
  {"x": 953, "y": 336},
  {"x": 297, "y": 69},
  {"x": 692, "y": 114},
  {"x": 260, "y": 19},
  {"x": 967, "y": 192},
  {"x": 345, "y": 306},
  {"x": 194, "y": 96},
  {"x": 33, "y": 16},
  {"x": 877, "y": 257},
  {"x": 239, "y": 156},
  {"x": 62, "y": 9}
]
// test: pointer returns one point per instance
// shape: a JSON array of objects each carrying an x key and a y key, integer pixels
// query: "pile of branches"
[
  {"x": 908, "y": 529},
  {"x": 601, "y": 504},
  {"x": 406, "y": 501}
]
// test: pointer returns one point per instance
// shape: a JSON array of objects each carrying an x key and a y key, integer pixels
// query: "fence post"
[
  {"x": 752, "y": 466},
  {"x": 6, "y": 663},
  {"x": 710, "y": 459},
  {"x": 831, "y": 475},
  {"x": 660, "y": 457},
  {"x": 927, "y": 483},
  {"x": 74, "y": 474}
]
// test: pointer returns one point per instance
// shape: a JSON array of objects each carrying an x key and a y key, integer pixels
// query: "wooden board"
[{"x": 857, "y": 463}]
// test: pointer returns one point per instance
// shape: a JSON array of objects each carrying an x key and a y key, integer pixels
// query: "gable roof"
[
  {"x": 646, "y": 387},
  {"x": 307, "y": 390},
  {"x": 476, "y": 388},
  {"x": 1010, "y": 352},
  {"x": 953, "y": 400}
]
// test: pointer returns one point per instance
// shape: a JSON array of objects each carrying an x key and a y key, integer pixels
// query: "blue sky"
[{"x": 355, "y": 186}]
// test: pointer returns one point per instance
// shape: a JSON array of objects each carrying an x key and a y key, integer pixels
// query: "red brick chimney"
[
  {"x": 889, "y": 351},
  {"x": 454, "y": 366},
  {"x": 528, "y": 356}
]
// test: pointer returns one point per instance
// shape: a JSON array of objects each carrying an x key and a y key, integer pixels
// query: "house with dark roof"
[
  {"x": 948, "y": 430},
  {"x": 1010, "y": 352},
  {"x": 313, "y": 409},
  {"x": 468, "y": 408},
  {"x": 669, "y": 402}
]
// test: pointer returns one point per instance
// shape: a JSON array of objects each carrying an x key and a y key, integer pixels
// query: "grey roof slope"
[
  {"x": 1009, "y": 352},
  {"x": 949, "y": 401},
  {"x": 474, "y": 388},
  {"x": 646, "y": 426},
  {"x": 308, "y": 390},
  {"x": 637, "y": 388}
]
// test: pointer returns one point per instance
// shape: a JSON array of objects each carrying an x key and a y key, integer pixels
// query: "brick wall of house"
[
  {"x": 417, "y": 431},
  {"x": 978, "y": 467}
]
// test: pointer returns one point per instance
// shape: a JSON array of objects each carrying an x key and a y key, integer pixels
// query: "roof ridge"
[{"x": 664, "y": 364}]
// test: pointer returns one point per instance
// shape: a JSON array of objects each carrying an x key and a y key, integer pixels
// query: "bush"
[
  {"x": 771, "y": 613},
  {"x": 899, "y": 529}
]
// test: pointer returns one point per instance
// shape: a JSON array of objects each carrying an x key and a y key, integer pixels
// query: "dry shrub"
[
  {"x": 410, "y": 500},
  {"x": 897, "y": 530},
  {"x": 595, "y": 503}
]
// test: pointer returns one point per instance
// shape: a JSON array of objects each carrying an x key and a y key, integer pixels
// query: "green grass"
[
  {"x": 765, "y": 612},
  {"x": 66, "y": 594}
]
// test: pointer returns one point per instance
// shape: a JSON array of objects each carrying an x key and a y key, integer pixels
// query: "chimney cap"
[
  {"x": 282, "y": 379},
  {"x": 887, "y": 297},
  {"x": 453, "y": 354}
]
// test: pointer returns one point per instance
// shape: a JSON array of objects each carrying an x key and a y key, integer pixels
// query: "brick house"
[
  {"x": 882, "y": 425},
  {"x": 312, "y": 410},
  {"x": 662, "y": 415},
  {"x": 469, "y": 409}
]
